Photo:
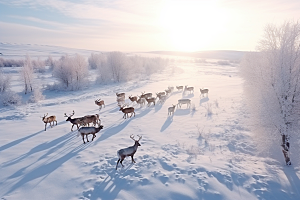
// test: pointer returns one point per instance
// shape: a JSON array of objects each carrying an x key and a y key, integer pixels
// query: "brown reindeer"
[
  {"x": 190, "y": 89},
  {"x": 91, "y": 119},
  {"x": 146, "y": 95},
  {"x": 76, "y": 121},
  {"x": 133, "y": 98},
  {"x": 100, "y": 103},
  {"x": 150, "y": 100},
  {"x": 126, "y": 111},
  {"x": 50, "y": 119},
  {"x": 204, "y": 91},
  {"x": 179, "y": 87},
  {"x": 129, "y": 151},
  {"x": 171, "y": 110}
]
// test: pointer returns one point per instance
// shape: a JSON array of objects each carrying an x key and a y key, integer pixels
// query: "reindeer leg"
[
  {"x": 117, "y": 163},
  {"x": 87, "y": 138},
  {"x": 72, "y": 127},
  {"x": 83, "y": 138},
  {"x": 132, "y": 159},
  {"x": 94, "y": 135},
  {"x": 45, "y": 126},
  {"x": 122, "y": 158}
]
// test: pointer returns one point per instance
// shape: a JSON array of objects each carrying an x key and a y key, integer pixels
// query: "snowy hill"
[{"x": 202, "y": 152}]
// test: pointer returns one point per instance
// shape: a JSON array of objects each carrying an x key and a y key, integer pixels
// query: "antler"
[
  {"x": 45, "y": 115},
  {"x": 140, "y": 137},
  {"x": 132, "y": 137}
]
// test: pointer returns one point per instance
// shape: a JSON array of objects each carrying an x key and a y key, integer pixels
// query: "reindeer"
[
  {"x": 162, "y": 98},
  {"x": 168, "y": 91},
  {"x": 120, "y": 95},
  {"x": 150, "y": 100},
  {"x": 85, "y": 131},
  {"x": 100, "y": 103},
  {"x": 171, "y": 88},
  {"x": 91, "y": 119},
  {"x": 147, "y": 95},
  {"x": 50, "y": 119},
  {"x": 120, "y": 101},
  {"x": 133, "y": 98},
  {"x": 129, "y": 151},
  {"x": 126, "y": 111},
  {"x": 141, "y": 101},
  {"x": 75, "y": 121},
  {"x": 204, "y": 91},
  {"x": 186, "y": 88},
  {"x": 159, "y": 94},
  {"x": 184, "y": 101},
  {"x": 171, "y": 109},
  {"x": 179, "y": 87}
]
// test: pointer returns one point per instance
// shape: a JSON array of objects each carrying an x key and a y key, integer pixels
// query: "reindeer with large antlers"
[
  {"x": 127, "y": 110},
  {"x": 129, "y": 151},
  {"x": 100, "y": 103},
  {"x": 76, "y": 121},
  {"x": 50, "y": 119}
]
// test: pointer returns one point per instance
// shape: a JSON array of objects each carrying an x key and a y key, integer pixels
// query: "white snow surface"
[{"x": 203, "y": 152}]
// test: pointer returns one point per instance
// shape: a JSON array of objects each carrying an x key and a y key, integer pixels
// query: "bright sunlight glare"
[{"x": 192, "y": 26}]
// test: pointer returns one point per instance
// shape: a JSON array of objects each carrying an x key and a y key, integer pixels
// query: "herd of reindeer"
[{"x": 84, "y": 122}]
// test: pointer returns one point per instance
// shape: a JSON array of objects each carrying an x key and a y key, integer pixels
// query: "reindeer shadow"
[
  {"x": 203, "y": 100},
  {"x": 167, "y": 123},
  {"x": 13, "y": 143},
  {"x": 110, "y": 131},
  {"x": 183, "y": 111},
  {"x": 187, "y": 95},
  {"x": 158, "y": 106}
]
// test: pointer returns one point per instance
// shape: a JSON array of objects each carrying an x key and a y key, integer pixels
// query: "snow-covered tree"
[
  {"x": 26, "y": 75},
  {"x": 5, "y": 81},
  {"x": 71, "y": 72},
  {"x": 272, "y": 87}
]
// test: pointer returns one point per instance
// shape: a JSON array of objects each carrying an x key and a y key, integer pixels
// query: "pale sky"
[{"x": 143, "y": 25}]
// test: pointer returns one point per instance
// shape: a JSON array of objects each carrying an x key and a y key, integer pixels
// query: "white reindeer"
[
  {"x": 129, "y": 151},
  {"x": 184, "y": 101},
  {"x": 85, "y": 131}
]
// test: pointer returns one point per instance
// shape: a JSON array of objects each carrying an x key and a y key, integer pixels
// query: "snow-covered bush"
[
  {"x": 71, "y": 72},
  {"x": 5, "y": 81},
  {"x": 272, "y": 89},
  {"x": 36, "y": 96},
  {"x": 11, "y": 62},
  {"x": 10, "y": 98}
]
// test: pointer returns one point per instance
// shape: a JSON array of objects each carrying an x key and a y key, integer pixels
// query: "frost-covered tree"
[
  {"x": 71, "y": 72},
  {"x": 118, "y": 63},
  {"x": 5, "y": 82},
  {"x": 272, "y": 88},
  {"x": 26, "y": 75},
  {"x": 96, "y": 60},
  {"x": 39, "y": 65}
]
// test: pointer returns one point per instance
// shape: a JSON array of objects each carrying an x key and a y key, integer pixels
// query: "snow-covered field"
[{"x": 203, "y": 152}]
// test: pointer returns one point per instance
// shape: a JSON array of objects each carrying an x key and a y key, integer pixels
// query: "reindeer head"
[
  {"x": 43, "y": 118},
  {"x": 69, "y": 117},
  {"x": 136, "y": 141}
]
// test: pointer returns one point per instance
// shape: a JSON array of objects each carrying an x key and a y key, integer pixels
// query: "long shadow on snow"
[
  {"x": 41, "y": 147},
  {"x": 182, "y": 111},
  {"x": 45, "y": 169},
  {"x": 203, "y": 100},
  {"x": 167, "y": 123},
  {"x": 18, "y": 141},
  {"x": 110, "y": 131},
  {"x": 110, "y": 187},
  {"x": 293, "y": 179}
]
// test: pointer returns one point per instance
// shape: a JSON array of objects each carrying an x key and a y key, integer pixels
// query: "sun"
[{"x": 191, "y": 25}]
